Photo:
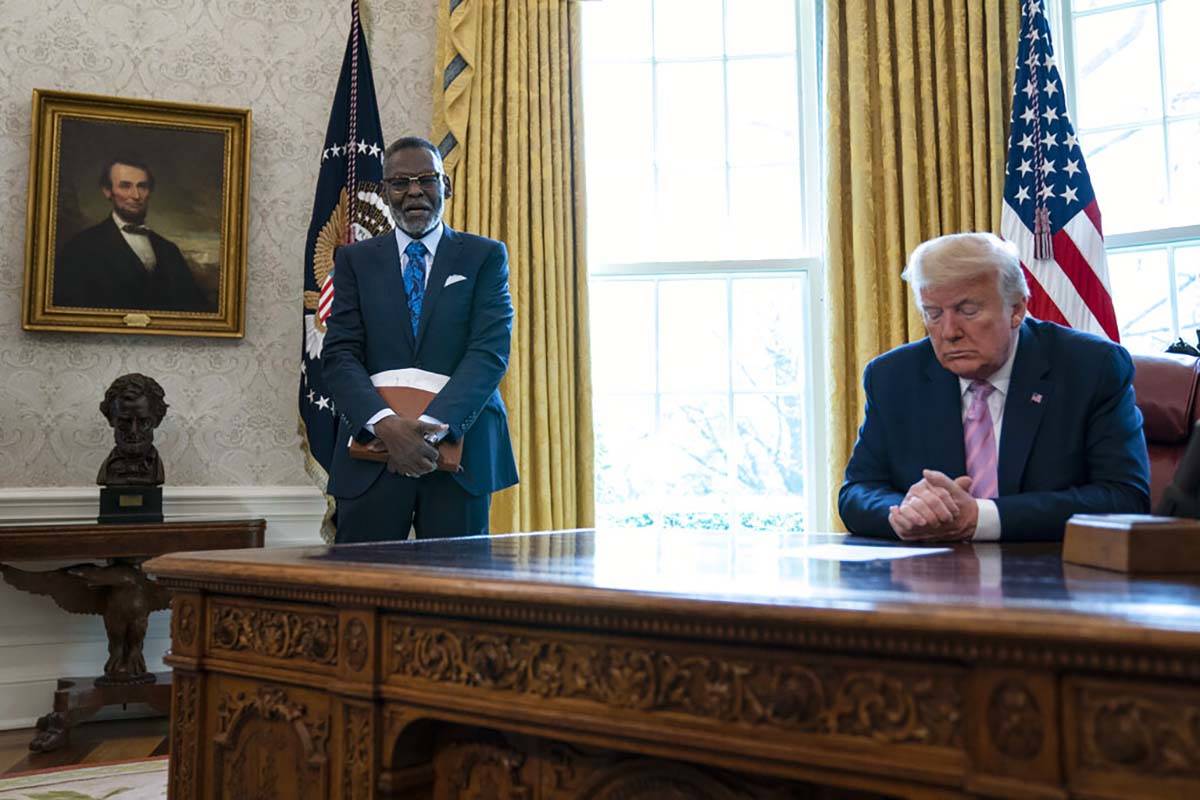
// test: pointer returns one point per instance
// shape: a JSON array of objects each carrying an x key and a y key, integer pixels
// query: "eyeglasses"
[{"x": 402, "y": 183}]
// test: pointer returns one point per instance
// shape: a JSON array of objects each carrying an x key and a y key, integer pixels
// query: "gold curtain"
[
  {"x": 918, "y": 96},
  {"x": 507, "y": 116}
]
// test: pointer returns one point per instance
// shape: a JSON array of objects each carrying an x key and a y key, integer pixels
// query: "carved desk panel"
[{"x": 641, "y": 665}]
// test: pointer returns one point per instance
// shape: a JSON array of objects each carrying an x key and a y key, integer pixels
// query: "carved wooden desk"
[
  {"x": 643, "y": 665},
  {"x": 119, "y": 592}
]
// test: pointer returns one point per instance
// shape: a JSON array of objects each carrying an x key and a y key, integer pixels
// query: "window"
[
  {"x": 703, "y": 181},
  {"x": 1135, "y": 71}
]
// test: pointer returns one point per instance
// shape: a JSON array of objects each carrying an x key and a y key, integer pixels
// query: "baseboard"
[{"x": 38, "y": 639}]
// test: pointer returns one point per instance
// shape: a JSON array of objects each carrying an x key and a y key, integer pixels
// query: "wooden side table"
[{"x": 118, "y": 591}]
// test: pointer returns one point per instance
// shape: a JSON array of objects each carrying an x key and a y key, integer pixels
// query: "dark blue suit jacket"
[
  {"x": 1070, "y": 440},
  {"x": 465, "y": 332}
]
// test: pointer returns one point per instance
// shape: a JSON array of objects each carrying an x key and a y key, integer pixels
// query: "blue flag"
[{"x": 348, "y": 207}]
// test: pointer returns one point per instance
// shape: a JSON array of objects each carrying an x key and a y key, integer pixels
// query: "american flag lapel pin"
[{"x": 1036, "y": 397}]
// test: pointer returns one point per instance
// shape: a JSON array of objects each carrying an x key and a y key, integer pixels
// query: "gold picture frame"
[{"x": 137, "y": 218}]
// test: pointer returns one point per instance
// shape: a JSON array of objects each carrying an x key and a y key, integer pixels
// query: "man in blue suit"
[
  {"x": 995, "y": 426},
  {"x": 431, "y": 305}
]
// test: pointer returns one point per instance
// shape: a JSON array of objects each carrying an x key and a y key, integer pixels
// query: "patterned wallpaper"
[{"x": 232, "y": 419}]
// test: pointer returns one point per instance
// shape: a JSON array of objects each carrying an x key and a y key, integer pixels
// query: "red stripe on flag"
[
  {"x": 1040, "y": 304},
  {"x": 1093, "y": 212},
  {"x": 325, "y": 301},
  {"x": 1087, "y": 283}
]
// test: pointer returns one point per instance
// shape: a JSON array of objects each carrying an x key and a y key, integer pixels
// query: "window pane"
[
  {"x": 770, "y": 434},
  {"x": 765, "y": 204},
  {"x": 1116, "y": 58},
  {"x": 691, "y": 114},
  {"x": 1181, "y": 21},
  {"x": 619, "y": 107},
  {"x": 763, "y": 116},
  {"x": 1141, "y": 294},
  {"x": 768, "y": 333},
  {"x": 693, "y": 336},
  {"x": 620, "y": 178},
  {"x": 1129, "y": 176},
  {"x": 625, "y": 469},
  {"x": 687, "y": 28},
  {"x": 1184, "y": 140},
  {"x": 691, "y": 214},
  {"x": 623, "y": 335},
  {"x": 621, "y": 213},
  {"x": 616, "y": 30},
  {"x": 1187, "y": 283},
  {"x": 762, "y": 26},
  {"x": 693, "y": 447}
]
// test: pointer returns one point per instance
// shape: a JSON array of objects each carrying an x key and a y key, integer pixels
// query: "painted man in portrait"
[{"x": 121, "y": 262}]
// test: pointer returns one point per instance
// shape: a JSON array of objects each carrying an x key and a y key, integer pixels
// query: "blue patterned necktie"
[{"x": 414, "y": 280}]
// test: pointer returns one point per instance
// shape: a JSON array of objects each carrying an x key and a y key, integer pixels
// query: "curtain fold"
[
  {"x": 508, "y": 119},
  {"x": 917, "y": 106}
]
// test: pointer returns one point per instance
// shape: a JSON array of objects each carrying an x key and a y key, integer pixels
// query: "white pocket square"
[{"x": 453, "y": 279}]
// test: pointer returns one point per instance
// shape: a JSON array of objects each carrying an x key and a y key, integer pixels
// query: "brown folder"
[{"x": 409, "y": 403}]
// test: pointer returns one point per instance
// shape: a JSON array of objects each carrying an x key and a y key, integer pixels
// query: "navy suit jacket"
[
  {"x": 98, "y": 269},
  {"x": 465, "y": 332},
  {"x": 1070, "y": 440}
]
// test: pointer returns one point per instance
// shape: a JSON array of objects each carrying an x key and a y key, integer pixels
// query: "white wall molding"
[{"x": 40, "y": 642}]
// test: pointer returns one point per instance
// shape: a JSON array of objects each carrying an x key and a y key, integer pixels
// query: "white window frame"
[
  {"x": 816, "y": 483},
  {"x": 1063, "y": 18}
]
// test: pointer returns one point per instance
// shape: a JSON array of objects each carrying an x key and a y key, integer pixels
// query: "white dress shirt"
[
  {"x": 430, "y": 240},
  {"x": 987, "y": 528},
  {"x": 139, "y": 243}
]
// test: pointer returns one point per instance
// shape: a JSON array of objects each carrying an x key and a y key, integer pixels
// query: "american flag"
[
  {"x": 1050, "y": 210},
  {"x": 346, "y": 208}
]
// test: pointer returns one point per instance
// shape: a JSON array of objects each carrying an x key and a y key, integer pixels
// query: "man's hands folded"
[
  {"x": 936, "y": 509},
  {"x": 404, "y": 440}
]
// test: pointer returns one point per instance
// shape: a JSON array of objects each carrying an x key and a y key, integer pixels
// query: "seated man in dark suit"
[
  {"x": 994, "y": 426},
  {"x": 119, "y": 262}
]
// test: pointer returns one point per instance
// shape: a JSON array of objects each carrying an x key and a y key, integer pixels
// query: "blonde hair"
[{"x": 962, "y": 256}]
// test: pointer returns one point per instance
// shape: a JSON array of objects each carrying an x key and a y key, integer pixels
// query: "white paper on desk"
[{"x": 857, "y": 552}]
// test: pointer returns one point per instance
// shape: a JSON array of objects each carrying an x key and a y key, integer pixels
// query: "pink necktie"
[{"x": 980, "y": 442}]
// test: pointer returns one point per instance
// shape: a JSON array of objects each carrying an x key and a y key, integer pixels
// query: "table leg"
[{"x": 79, "y": 699}]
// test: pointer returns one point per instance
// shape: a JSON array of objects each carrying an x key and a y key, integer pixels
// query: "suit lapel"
[
  {"x": 447, "y": 254},
  {"x": 393, "y": 283},
  {"x": 939, "y": 411},
  {"x": 1029, "y": 392}
]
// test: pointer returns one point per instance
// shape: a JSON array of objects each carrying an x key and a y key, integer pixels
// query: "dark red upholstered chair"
[{"x": 1168, "y": 393}]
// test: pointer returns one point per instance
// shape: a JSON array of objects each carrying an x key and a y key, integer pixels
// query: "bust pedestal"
[{"x": 120, "y": 504}]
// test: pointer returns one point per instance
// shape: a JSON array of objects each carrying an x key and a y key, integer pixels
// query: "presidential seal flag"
[
  {"x": 348, "y": 207},
  {"x": 1050, "y": 211}
]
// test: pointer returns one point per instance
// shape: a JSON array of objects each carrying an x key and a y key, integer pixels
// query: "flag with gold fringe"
[{"x": 348, "y": 207}]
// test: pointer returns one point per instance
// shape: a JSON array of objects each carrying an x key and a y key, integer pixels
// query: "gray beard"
[{"x": 398, "y": 218}]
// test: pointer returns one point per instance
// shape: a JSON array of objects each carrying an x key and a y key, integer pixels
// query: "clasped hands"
[
  {"x": 409, "y": 452},
  {"x": 936, "y": 509}
]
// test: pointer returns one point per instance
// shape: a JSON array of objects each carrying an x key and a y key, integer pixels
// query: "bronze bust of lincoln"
[{"x": 134, "y": 407}]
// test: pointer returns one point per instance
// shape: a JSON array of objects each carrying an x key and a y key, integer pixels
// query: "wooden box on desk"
[{"x": 1133, "y": 542}]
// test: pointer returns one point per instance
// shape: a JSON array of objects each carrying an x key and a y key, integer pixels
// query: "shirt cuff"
[
  {"x": 434, "y": 437},
  {"x": 370, "y": 426},
  {"x": 987, "y": 527}
]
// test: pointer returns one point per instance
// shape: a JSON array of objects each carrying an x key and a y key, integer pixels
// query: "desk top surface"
[{"x": 759, "y": 576}]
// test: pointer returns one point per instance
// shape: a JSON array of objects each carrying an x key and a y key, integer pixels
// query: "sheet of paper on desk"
[{"x": 858, "y": 552}]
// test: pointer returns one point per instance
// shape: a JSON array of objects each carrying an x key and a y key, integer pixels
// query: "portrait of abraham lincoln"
[{"x": 137, "y": 216}]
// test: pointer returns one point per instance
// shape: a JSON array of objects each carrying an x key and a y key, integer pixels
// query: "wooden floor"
[{"x": 91, "y": 743}]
